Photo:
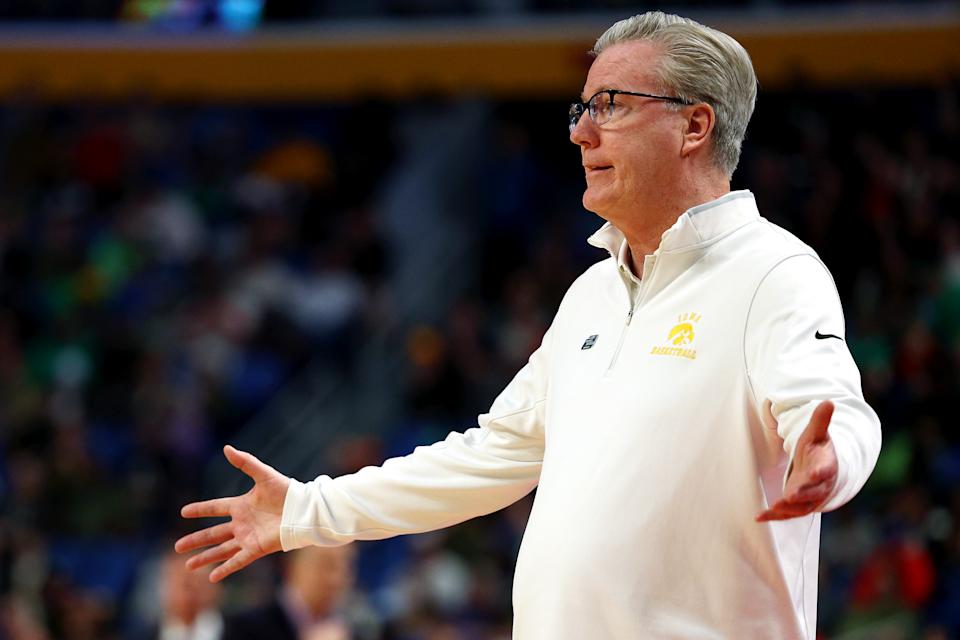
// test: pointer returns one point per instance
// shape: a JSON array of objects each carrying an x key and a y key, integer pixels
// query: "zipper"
[
  {"x": 623, "y": 337},
  {"x": 634, "y": 305}
]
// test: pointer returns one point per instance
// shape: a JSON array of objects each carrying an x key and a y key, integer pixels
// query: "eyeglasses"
[{"x": 602, "y": 107}]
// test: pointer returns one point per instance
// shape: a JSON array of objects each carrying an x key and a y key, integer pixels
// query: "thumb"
[
  {"x": 819, "y": 422},
  {"x": 248, "y": 463}
]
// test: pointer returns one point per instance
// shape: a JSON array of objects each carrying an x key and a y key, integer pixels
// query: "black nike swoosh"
[{"x": 824, "y": 336}]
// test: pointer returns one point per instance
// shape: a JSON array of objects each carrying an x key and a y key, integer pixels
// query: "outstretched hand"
[
  {"x": 253, "y": 530},
  {"x": 814, "y": 472}
]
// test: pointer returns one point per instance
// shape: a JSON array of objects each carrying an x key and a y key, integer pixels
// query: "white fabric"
[
  {"x": 653, "y": 450},
  {"x": 207, "y": 626}
]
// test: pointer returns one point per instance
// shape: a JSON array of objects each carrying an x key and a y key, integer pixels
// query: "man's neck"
[{"x": 645, "y": 230}]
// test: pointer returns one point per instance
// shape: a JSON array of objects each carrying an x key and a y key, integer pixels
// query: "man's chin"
[{"x": 593, "y": 203}]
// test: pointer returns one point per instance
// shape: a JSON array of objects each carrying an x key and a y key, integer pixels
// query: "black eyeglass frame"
[{"x": 577, "y": 109}]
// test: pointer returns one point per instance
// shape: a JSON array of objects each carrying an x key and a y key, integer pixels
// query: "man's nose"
[{"x": 584, "y": 133}]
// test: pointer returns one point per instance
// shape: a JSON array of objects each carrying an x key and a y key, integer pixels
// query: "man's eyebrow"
[{"x": 600, "y": 90}]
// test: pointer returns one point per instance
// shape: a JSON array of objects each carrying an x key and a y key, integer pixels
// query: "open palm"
[
  {"x": 253, "y": 530},
  {"x": 814, "y": 472}
]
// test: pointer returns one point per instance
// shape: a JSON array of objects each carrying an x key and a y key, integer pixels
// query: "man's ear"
[{"x": 698, "y": 125}]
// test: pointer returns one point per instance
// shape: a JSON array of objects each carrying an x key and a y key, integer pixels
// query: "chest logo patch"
[
  {"x": 589, "y": 342},
  {"x": 680, "y": 338}
]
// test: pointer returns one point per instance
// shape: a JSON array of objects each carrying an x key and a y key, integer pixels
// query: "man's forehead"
[{"x": 625, "y": 65}]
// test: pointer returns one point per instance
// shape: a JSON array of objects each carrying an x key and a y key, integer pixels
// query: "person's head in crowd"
[
  {"x": 679, "y": 142},
  {"x": 186, "y": 594},
  {"x": 18, "y": 621},
  {"x": 320, "y": 577}
]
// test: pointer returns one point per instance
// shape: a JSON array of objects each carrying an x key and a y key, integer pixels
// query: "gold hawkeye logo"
[{"x": 680, "y": 336}]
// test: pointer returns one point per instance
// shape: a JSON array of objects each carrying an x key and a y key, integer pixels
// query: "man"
[
  {"x": 310, "y": 602},
  {"x": 190, "y": 604},
  {"x": 690, "y": 412}
]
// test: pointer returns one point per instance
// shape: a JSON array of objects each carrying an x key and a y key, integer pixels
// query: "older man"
[{"x": 691, "y": 410}]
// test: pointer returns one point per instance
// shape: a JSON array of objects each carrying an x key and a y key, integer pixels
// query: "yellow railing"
[{"x": 546, "y": 59}]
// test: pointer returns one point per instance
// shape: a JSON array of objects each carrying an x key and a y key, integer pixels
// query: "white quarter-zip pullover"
[{"x": 657, "y": 418}]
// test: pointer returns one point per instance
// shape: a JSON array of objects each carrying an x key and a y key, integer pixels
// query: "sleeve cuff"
[{"x": 293, "y": 533}]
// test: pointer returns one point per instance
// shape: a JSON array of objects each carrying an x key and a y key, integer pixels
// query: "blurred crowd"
[
  {"x": 243, "y": 14},
  {"x": 164, "y": 270}
]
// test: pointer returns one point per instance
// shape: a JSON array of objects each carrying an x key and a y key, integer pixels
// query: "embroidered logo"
[
  {"x": 589, "y": 342},
  {"x": 680, "y": 337}
]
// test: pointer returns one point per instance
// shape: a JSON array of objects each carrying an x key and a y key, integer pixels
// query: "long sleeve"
[
  {"x": 796, "y": 357},
  {"x": 466, "y": 475}
]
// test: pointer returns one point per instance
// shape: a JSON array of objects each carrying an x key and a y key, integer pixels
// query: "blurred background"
[{"x": 327, "y": 231}]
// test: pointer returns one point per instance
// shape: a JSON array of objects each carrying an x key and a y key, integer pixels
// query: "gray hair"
[{"x": 698, "y": 64}]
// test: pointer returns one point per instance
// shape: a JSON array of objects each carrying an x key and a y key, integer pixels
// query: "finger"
[
  {"x": 248, "y": 463},
  {"x": 238, "y": 561},
  {"x": 783, "y": 510},
  {"x": 774, "y": 515},
  {"x": 216, "y": 554},
  {"x": 216, "y": 508},
  {"x": 205, "y": 537},
  {"x": 784, "y": 506},
  {"x": 819, "y": 422},
  {"x": 810, "y": 493}
]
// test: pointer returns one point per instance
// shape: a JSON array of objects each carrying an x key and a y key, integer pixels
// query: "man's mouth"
[{"x": 596, "y": 168}]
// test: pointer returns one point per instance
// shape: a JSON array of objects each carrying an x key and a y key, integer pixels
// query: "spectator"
[
  {"x": 312, "y": 603},
  {"x": 190, "y": 605}
]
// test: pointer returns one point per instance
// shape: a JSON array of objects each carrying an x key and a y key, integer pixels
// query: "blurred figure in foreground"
[
  {"x": 311, "y": 603},
  {"x": 191, "y": 604}
]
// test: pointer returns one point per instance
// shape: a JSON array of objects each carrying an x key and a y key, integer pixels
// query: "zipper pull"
[{"x": 629, "y": 316}]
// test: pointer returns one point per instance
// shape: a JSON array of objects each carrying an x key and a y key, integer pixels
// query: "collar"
[{"x": 696, "y": 226}]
